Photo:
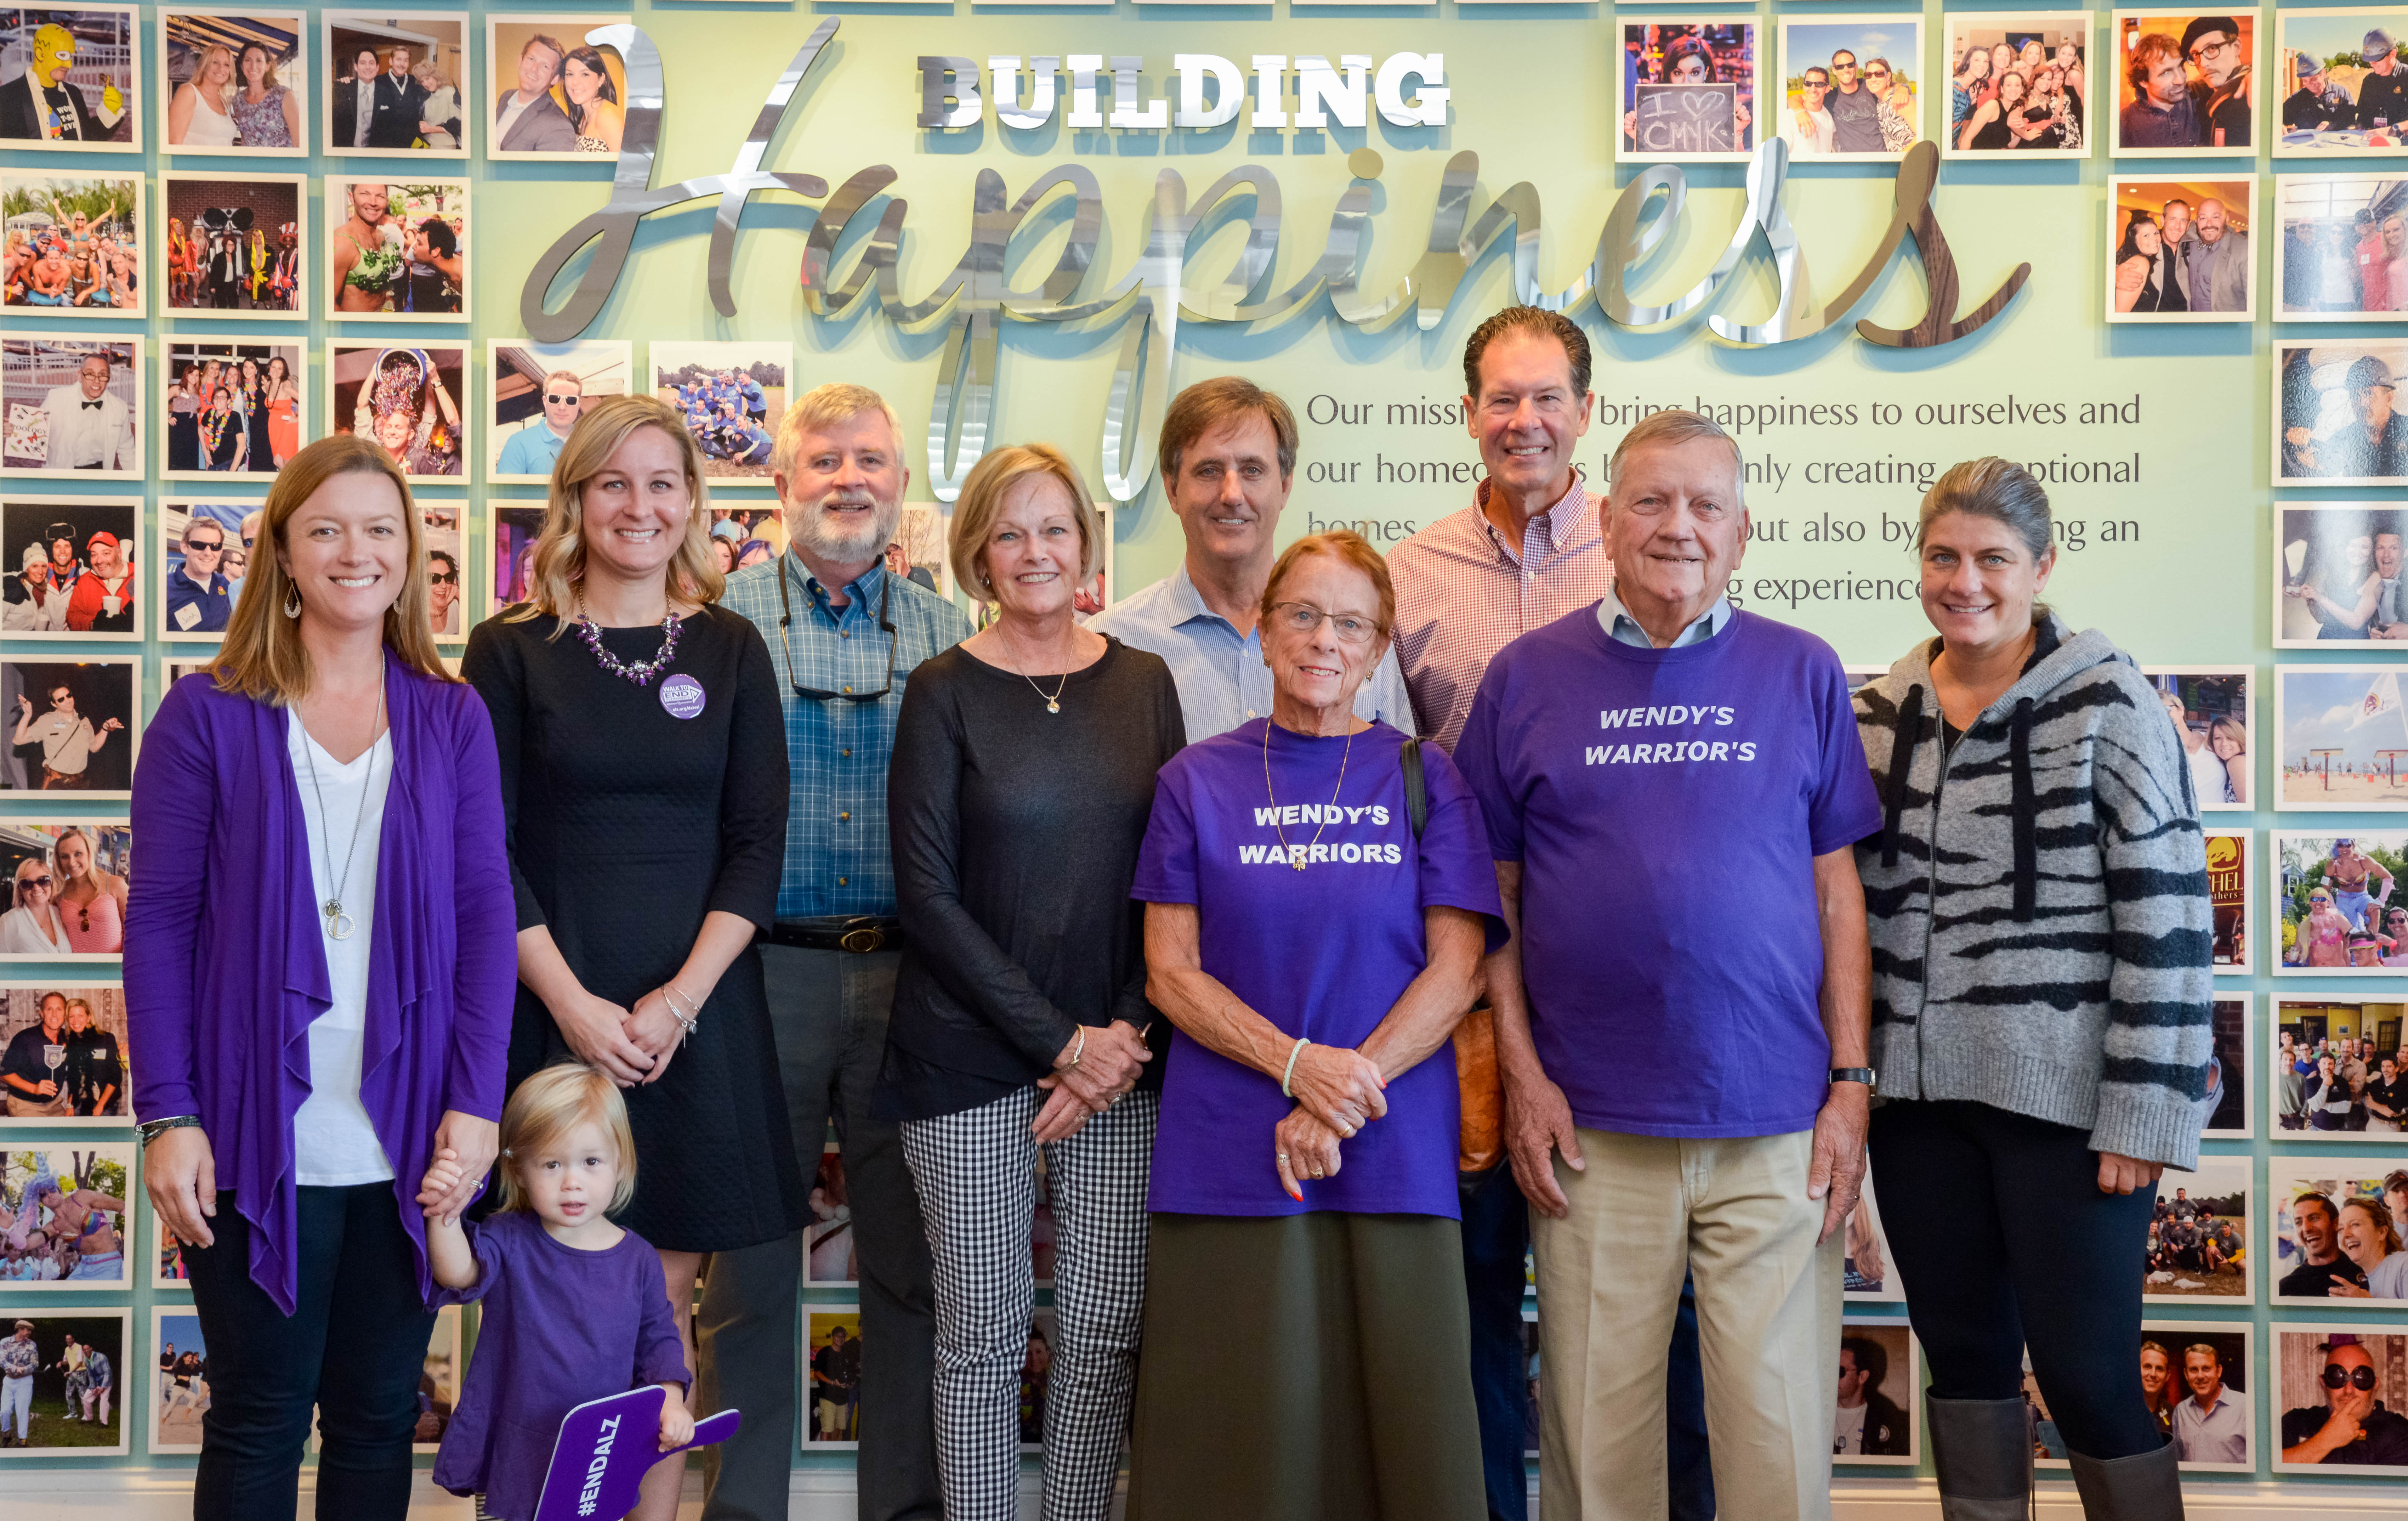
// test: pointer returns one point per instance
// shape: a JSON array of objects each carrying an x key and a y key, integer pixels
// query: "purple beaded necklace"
[{"x": 641, "y": 675}]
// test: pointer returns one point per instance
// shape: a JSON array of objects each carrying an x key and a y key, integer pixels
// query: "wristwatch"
[{"x": 1856, "y": 1075}]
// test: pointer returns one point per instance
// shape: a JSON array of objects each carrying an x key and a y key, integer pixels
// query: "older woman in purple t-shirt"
[{"x": 1314, "y": 936}]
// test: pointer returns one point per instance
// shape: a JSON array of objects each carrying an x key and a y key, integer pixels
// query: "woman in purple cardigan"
[{"x": 319, "y": 969}]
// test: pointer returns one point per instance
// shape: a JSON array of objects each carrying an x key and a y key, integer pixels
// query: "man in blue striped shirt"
[{"x": 844, "y": 635}]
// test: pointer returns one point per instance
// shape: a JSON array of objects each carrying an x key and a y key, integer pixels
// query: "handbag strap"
[{"x": 1417, "y": 791}]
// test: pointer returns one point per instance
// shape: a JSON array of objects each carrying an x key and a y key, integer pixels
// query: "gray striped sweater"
[{"x": 2039, "y": 914}]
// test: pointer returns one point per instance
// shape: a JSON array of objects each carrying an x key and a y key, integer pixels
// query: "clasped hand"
[
  {"x": 631, "y": 1046},
  {"x": 1090, "y": 1073}
]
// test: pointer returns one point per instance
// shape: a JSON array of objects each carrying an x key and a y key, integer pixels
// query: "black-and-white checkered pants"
[{"x": 977, "y": 1176}]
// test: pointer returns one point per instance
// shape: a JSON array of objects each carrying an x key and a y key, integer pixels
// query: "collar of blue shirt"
[{"x": 1624, "y": 629}]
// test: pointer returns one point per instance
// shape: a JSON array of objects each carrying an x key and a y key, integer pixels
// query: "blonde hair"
[
  {"x": 823, "y": 406},
  {"x": 547, "y": 1107},
  {"x": 263, "y": 657},
  {"x": 981, "y": 500},
  {"x": 201, "y": 65},
  {"x": 559, "y": 563}
]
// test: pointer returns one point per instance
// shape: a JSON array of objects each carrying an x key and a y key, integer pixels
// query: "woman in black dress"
[
  {"x": 644, "y": 781},
  {"x": 2143, "y": 281},
  {"x": 253, "y": 402}
]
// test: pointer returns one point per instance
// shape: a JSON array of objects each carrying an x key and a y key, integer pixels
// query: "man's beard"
[{"x": 810, "y": 527}]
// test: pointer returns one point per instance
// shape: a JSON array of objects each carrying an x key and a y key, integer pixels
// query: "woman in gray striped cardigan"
[{"x": 2040, "y": 927}]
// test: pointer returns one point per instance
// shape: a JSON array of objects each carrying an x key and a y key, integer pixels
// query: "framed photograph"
[
  {"x": 2187, "y": 88},
  {"x": 831, "y": 1375},
  {"x": 2325, "y": 886},
  {"x": 829, "y": 1258},
  {"x": 73, "y": 563},
  {"x": 73, "y": 726},
  {"x": 1688, "y": 91},
  {"x": 1089, "y": 599},
  {"x": 400, "y": 252},
  {"x": 409, "y": 401},
  {"x": 233, "y": 411},
  {"x": 2179, "y": 250},
  {"x": 90, "y": 57},
  {"x": 234, "y": 83},
  {"x": 1870, "y": 1273},
  {"x": 733, "y": 394},
  {"x": 70, "y": 1229},
  {"x": 2342, "y": 85},
  {"x": 2211, "y": 709},
  {"x": 2232, "y": 1116},
  {"x": 77, "y": 914},
  {"x": 1036, "y": 1377},
  {"x": 442, "y": 524},
  {"x": 396, "y": 85},
  {"x": 2199, "y": 1235},
  {"x": 438, "y": 1387},
  {"x": 2333, "y": 420},
  {"x": 1531, "y": 1353},
  {"x": 2019, "y": 84},
  {"x": 234, "y": 242},
  {"x": 537, "y": 391},
  {"x": 2229, "y": 886},
  {"x": 71, "y": 408},
  {"x": 76, "y": 1402},
  {"x": 64, "y": 1056},
  {"x": 2341, "y": 740},
  {"x": 74, "y": 244},
  {"x": 751, "y": 535},
  {"x": 2327, "y": 1245},
  {"x": 177, "y": 1388},
  {"x": 2325, "y": 1060},
  {"x": 2196, "y": 1375},
  {"x": 1849, "y": 92},
  {"x": 514, "y": 531},
  {"x": 2337, "y": 569},
  {"x": 558, "y": 97},
  {"x": 2339, "y": 1390},
  {"x": 2342, "y": 248},
  {"x": 922, "y": 550},
  {"x": 1881, "y": 1392},
  {"x": 172, "y": 671},
  {"x": 167, "y": 1269},
  {"x": 202, "y": 552}
]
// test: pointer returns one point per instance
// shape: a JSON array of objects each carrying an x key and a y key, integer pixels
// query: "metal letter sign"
[{"x": 1159, "y": 287}]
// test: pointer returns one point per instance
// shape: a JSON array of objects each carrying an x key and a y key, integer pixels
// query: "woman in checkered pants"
[{"x": 1022, "y": 781}]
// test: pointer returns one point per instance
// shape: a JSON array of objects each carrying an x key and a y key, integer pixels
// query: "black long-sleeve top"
[{"x": 1016, "y": 833}]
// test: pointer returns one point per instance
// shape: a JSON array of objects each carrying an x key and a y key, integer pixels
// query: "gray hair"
[
  {"x": 1994, "y": 488},
  {"x": 1676, "y": 425}
]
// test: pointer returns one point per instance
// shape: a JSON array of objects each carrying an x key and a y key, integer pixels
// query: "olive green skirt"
[{"x": 1306, "y": 1368}]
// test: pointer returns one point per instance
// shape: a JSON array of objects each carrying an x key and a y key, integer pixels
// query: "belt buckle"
[{"x": 861, "y": 939}]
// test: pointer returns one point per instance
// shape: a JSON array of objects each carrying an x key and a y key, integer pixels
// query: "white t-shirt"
[
  {"x": 1848, "y": 1429},
  {"x": 334, "y": 1144},
  {"x": 2209, "y": 777}
]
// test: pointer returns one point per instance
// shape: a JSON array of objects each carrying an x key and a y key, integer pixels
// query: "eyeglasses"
[
  {"x": 1876, "y": 74},
  {"x": 2337, "y": 1377},
  {"x": 23, "y": 882},
  {"x": 2209, "y": 50},
  {"x": 62, "y": 696},
  {"x": 785, "y": 620},
  {"x": 445, "y": 577},
  {"x": 1303, "y": 618},
  {"x": 197, "y": 546},
  {"x": 562, "y": 401}
]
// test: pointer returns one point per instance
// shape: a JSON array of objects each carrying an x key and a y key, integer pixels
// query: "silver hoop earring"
[{"x": 292, "y": 602}]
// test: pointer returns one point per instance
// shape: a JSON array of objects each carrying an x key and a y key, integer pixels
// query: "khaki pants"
[{"x": 1735, "y": 1214}]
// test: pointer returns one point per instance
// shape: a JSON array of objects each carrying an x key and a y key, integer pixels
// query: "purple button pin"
[{"x": 682, "y": 696}]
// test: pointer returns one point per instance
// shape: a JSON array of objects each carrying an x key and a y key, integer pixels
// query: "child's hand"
[
  {"x": 677, "y": 1422},
  {"x": 442, "y": 1177}
]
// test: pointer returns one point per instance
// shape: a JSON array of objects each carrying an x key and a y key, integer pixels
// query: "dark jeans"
[
  {"x": 1496, "y": 1238},
  {"x": 2003, "y": 1242},
  {"x": 829, "y": 1012},
  {"x": 266, "y": 1369}
]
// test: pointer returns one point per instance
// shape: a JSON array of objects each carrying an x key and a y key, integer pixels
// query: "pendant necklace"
[
  {"x": 1295, "y": 853},
  {"x": 1053, "y": 703},
  {"x": 338, "y": 924},
  {"x": 672, "y": 626}
]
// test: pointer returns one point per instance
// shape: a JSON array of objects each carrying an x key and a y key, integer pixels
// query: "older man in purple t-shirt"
[{"x": 1643, "y": 764}]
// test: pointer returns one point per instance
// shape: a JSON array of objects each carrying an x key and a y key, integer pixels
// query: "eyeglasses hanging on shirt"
[{"x": 785, "y": 620}]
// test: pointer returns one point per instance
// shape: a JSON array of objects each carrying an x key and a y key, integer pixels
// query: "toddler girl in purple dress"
[{"x": 575, "y": 1307}]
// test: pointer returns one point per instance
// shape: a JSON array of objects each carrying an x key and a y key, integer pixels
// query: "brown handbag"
[{"x": 1480, "y": 1140}]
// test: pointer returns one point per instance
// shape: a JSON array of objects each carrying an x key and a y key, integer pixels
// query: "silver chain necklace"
[
  {"x": 338, "y": 924},
  {"x": 1053, "y": 703}
]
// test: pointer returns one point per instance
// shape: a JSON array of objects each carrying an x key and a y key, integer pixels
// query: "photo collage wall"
[{"x": 226, "y": 231}]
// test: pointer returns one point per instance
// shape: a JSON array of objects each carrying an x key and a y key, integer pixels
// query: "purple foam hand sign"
[{"x": 604, "y": 1449}]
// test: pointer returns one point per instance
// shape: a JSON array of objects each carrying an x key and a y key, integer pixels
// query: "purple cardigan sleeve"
[
  {"x": 175, "y": 804},
  {"x": 486, "y": 977}
]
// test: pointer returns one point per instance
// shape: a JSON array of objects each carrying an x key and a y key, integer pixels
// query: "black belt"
[{"x": 860, "y": 935}]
